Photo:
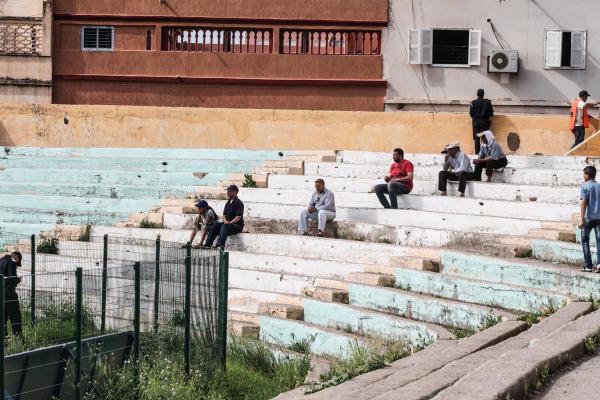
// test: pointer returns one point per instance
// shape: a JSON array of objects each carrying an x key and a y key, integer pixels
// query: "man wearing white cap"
[{"x": 456, "y": 168}]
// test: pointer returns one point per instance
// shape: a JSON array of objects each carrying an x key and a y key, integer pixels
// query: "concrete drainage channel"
[{"x": 388, "y": 277}]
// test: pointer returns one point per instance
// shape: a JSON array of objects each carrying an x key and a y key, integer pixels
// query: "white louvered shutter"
[
  {"x": 474, "y": 47},
  {"x": 578, "y": 49},
  {"x": 553, "y": 49}
]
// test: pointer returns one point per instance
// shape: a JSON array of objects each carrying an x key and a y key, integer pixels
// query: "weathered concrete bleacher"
[{"x": 423, "y": 274}]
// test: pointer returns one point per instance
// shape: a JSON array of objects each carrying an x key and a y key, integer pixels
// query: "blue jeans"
[
  {"x": 223, "y": 232},
  {"x": 588, "y": 225}
]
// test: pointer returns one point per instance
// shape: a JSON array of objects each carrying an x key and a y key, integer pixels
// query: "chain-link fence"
[{"x": 97, "y": 306}]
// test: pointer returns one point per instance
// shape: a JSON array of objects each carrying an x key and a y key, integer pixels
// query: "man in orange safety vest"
[{"x": 579, "y": 116}]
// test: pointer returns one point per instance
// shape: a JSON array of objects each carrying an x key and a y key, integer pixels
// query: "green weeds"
[{"x": 48, "y": 246}]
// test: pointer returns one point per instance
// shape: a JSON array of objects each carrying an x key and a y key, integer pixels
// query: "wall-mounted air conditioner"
[{"x": 503, "y": 61}]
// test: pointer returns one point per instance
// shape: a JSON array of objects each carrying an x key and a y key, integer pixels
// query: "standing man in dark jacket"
[
  {"x": 8, "y": 268},
  {"x": 481, "y": 114},
  {"x": 233, "y": 219}
]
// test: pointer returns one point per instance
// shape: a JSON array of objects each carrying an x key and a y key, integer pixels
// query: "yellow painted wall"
[{"x": 113, "y": 126}]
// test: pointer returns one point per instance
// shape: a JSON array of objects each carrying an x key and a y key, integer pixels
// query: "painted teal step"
[
  {"x": 491, "y": 294},
  {"x": 113, "y": 177},
  {"x": 76, "y": 204},
  {"x": 561, "y": 252},
  {"x": 371, "y": 323},
  {"x": 325, "y": 342},
  {"x": 76, "y": 189},
  {"x": 191, "y": 154},
  {"x": 569, "y": 281},
  {"x": 35, "y": 216},
  {"x": 424, "y": 308},
  {"x": 132, "y": 164}
]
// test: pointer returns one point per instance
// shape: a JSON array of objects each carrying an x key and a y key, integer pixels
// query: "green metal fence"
[{"x": 89, "y": 305}]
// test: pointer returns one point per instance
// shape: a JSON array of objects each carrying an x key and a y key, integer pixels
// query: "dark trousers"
[
  {"x": 222, "y": 231},
  {"x": 394, "y": 189},
  {"x": 13, "y": 314},
  {"x": 588, "y": 226},
  {"x": 461, "y": 177},
  {"x": 479, "y": 125},
  {"x": 579, "y": 133},
  {"x": 489, "y": 166}
]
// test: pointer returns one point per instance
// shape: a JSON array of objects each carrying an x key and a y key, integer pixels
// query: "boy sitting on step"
[{"x": 590, "y": 217}]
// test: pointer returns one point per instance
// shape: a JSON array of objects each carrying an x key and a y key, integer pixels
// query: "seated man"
[
  {"x": 456, "y": 168},
  {"x": 233, "y": 219},
  {"x": 491, "y": 156},
  {"x": 321, "y": 208},
  {"x": 398, "y": 182}
]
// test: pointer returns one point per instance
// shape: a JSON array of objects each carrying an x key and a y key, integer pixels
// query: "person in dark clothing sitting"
[
  {"x": 8, "y": 268},
  {"x": 481, "y": 113},
  {"x": 491, "y": 156},
  {"x": 233, "y": 219}
]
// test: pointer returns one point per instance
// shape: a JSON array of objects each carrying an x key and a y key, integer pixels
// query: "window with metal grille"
[{"x": 97, "y": 38}]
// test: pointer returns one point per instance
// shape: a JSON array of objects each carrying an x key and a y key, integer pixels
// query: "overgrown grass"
[
  {"x": 363, "y": 358},
  {"x": 146, "y": 224},
  {"x": 534, "y": 317},
  {"x": 249, "y": 181},
  {"x": 253, "y": 372},
  {"x": 48, "y": 246}
]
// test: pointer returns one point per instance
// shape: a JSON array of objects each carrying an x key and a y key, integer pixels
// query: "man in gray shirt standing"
[
  {"x": 321, "y": 208},
  {"x": 589, "y": 218}
]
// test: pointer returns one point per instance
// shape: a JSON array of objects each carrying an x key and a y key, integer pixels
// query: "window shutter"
[
  {"x": 105, "y": 38},
  {"x": 474, "y": 47},
  {"x": 578, "y": 49},
  {"x": 427, "y": 46},
  {"x": 89, "y": 38},
  {"x": 414, "y": 46},
  {"x": 553, "y": 49}
]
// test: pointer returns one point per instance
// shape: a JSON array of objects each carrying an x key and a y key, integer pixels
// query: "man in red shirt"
[{"x": 398, "y": 182}]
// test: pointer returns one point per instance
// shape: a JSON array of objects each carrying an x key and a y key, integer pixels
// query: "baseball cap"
[
  {"x": 18, "y": 254},
  {"x": 584, "y": 93},
  {"x": 451, "y": 146},
  {"x": 201, "y": 204},
  {"x": 233, "y": 188}
]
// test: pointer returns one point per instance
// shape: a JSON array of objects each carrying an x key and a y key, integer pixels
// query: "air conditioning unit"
[{"x": 504, "y": 61}]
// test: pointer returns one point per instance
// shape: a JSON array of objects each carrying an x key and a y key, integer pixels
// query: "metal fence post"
[
  {"x": 187, "y": 307},
  {"x": 2, "y": 336},
  {"x": 104, "y": 282},
  {"x": 156, "y": 283},
  {"x": 78, "y": 333},
  {"x": 222, "y": 311},
  {"x": 136, "y": 317},
  {"x": 32, "y": 294}
]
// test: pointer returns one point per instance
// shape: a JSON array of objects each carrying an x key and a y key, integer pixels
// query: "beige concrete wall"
[
  {"x": 19, "y": 67},
  {"x": 113, "y": 126},
  {"x": 22, "y": 8}
]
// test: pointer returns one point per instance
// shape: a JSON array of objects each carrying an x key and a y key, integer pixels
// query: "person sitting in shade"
[
  {"x": 320, "y": 208},
  {"x": 491, "y": 156},
  {"x": 398, "y": 182},
  {"x": 456, "y": 168},
  {"x": 204, "y": 223}
]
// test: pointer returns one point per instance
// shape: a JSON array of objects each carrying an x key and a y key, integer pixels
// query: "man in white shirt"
[
  {"x": 456, "y": 168},
  {"x": 579, "y": 116}
]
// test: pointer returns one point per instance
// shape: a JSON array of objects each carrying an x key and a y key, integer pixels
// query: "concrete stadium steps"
[
  {"x": 427, "y": 374},
  {"x": 323, "y": 341},
  {"x": 527, "y": 273},
  {"x": 428, "y": 160},
  {"x": 486, "y": 293},
  {"x": 515, "y": 373},
  {"x": 374, "y": 324},
  {"x": 171, "y": 153},
  {"x": 467, "y": 206},
  {"x": 481, "y": 190},
  {"x": 413, "y": 218},
  {"x": 576, "y": 383},
  {"x": 518, "y": 176},
  {"x": 417, "y": 366},
  {"x": 560, "y": 252},
  {"x": 95, "y": 190},
  {"x": 425, "y": 308}
]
